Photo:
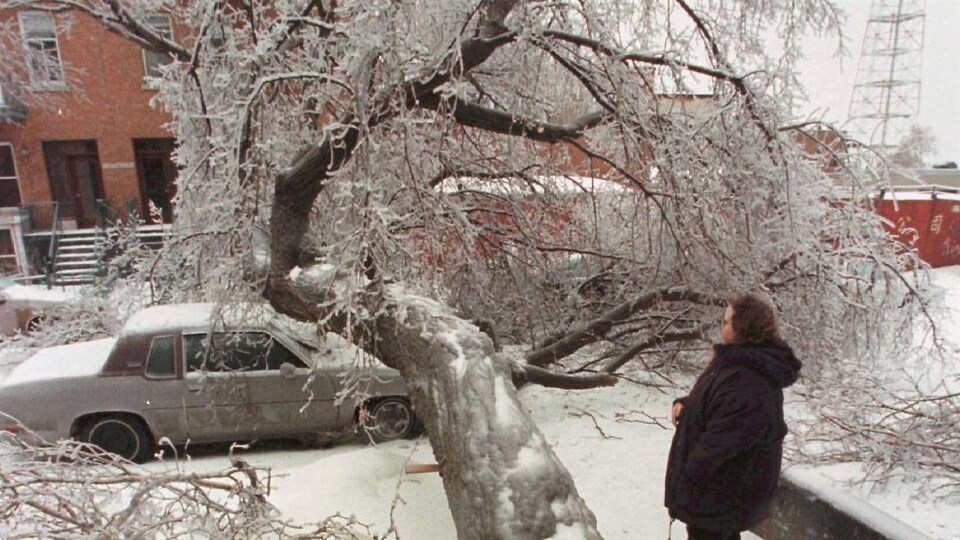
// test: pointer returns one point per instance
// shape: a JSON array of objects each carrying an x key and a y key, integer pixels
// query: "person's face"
[{"x": 727, "y": 335}]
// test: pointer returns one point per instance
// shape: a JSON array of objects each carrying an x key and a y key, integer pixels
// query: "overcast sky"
[{"x": 829, "y": 80}]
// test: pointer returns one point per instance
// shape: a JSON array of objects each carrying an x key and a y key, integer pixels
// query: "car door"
[
  {"x": 290, "y": 401},
  {"x": 217, "y": 376}
]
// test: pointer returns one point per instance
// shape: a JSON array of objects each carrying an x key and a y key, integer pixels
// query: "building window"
[
  {"x": 9, "y": 186},
  {"x": 39, "y": 32},
  {"x": 153, "y": 60}
]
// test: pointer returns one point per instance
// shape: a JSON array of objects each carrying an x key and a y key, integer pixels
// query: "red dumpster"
[{"x": 926, "y": 219}]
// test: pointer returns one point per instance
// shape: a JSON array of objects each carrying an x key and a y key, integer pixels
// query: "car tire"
[
  {"x": 388, "y": 419},
  {"x": 124, "y": 436}
]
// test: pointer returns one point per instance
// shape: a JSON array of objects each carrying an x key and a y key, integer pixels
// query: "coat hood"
[{"x": 776, "y": 362}]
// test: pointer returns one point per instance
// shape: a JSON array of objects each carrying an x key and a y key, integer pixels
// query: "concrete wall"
[{"x": 803, "y": 510}]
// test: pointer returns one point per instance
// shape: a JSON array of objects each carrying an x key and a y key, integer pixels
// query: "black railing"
[
  {"x": 107, "y": 217},
  {"x": 46, "y": 219},
  {"x": 55, "y": 231},
  {"x": 107, "y": 221}
]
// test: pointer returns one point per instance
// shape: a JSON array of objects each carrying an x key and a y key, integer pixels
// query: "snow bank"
[{"x": 40, "y": 296}]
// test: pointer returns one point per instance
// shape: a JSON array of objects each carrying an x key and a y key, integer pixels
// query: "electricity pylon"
[{"x": 886, "y": 96}]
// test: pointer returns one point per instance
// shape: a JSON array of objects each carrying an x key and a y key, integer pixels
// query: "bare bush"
[{"x": 74, "y": 490}]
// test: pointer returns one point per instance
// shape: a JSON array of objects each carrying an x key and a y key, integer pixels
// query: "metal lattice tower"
[{"x": 886, "y": 96}]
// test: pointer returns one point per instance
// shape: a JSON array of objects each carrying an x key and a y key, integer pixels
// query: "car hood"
[{"x": 64, "y": 362}]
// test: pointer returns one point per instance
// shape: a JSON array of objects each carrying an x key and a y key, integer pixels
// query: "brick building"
[{"x": 78, "y": 138}]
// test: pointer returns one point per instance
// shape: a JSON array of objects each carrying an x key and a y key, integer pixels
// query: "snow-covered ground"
[
  {"x": 614, "y": 450},
  {"x": 613, "y": 440}
]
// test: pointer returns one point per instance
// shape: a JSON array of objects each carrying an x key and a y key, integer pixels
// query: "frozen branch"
[{"x": 594, "y": 330}]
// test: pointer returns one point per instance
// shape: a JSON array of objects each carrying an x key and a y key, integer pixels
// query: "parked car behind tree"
[{"x": 191, "y": 372}]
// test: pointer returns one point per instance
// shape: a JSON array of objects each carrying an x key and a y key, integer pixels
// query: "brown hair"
[{"x": 754, "y": 320}]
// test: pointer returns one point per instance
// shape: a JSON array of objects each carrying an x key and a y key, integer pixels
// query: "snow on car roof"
[
  {"x": 168, "y": 317},
  {"x": 173, "y": 317},
  {"x": 66, "y": 361}
]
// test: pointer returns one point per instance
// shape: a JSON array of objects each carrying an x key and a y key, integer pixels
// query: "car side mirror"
[{"x": 288, "y": 370}]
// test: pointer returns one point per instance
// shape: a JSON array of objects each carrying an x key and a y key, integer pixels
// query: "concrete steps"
[
  {"x": 81, "y": 254},
  {"x": 79, "y": 257}
]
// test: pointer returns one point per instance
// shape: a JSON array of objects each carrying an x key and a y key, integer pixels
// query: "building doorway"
[
  {"x": 157, "y": 175},
  {"x": 73, "y": 168}
]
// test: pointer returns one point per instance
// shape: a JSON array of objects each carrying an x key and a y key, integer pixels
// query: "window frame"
[
  {"x": 168, "y": 35},
  {"x": 35, "y": 83},
  {"x": 16, "y": 172},
  {"x": 270, "y": 341}
]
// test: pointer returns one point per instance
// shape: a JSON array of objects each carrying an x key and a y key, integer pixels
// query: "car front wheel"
[
  {"x": 124, "y": 436},
  {"x": 388, "y": 419}
]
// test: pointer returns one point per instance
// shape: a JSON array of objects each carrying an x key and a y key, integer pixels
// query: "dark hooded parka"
[{"x": 726, "y": 454}]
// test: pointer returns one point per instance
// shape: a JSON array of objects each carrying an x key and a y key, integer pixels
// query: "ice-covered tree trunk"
[{"x": 501, "y": 478}]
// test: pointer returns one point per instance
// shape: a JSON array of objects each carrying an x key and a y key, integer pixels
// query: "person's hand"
[{"x": 676, "y": 412}]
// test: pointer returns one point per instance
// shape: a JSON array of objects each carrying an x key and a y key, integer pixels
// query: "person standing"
[{"x": 725, "y": 459}]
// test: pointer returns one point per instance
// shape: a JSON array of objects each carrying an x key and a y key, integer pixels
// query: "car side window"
[
  {"x": 235, "y": 351},
  {"x": 278, "y": 355},
  {"x": 161, "y": 362}
]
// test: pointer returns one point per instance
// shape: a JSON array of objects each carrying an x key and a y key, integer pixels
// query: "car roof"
[
  {"x": 204, "y": 317},
  {"x": 38, "y": 296},
  {"x": 198, "y": 316}
]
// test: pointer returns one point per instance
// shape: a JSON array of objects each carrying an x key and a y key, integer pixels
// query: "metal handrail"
[
  {"x": 56, "y": 227},
  {"x": 106, "y": 215}
]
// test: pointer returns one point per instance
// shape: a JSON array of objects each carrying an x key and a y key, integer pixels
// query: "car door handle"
[{"x": 194, "y": 388}]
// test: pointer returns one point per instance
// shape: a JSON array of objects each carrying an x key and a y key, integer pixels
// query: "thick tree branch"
[
  {"x": 552, "y": 379},
  {"x": 651, "y": 59},
  {"x": 496, "y": 121},
  {"x": 298, "y": 187}
]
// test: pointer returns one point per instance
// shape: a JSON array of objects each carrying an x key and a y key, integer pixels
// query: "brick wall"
[{"x": 106, "y": 102}]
